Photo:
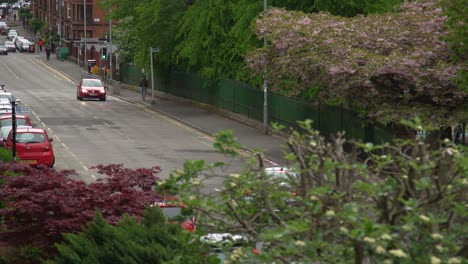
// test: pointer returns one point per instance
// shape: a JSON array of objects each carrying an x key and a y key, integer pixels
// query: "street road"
[{"x": 88, "y": 133}]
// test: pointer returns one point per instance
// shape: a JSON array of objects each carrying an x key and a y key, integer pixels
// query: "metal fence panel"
[{"x": 238, "y": 97}]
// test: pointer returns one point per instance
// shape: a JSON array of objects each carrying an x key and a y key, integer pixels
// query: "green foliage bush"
[
  {"x": 5, "y": 155},
  {"x": 395, "y": 203},
  {"x": 151, "y": 240}
]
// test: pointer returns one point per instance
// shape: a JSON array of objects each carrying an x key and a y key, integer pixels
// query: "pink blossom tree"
[{"x": 388, "y": 66}]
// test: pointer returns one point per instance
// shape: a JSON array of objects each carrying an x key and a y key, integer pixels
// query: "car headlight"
[{"x": 84, "y": 90}]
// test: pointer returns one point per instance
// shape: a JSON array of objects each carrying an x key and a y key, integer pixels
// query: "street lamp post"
[
  {"x": 152, "y": 50},
  {"x": 84, "y": 10},
  {"x": 110, "y": 48},
  {"x": 265, "y": 83},
  {"x": 60, "y": 23},
  {"x": 50, "y": 24}
]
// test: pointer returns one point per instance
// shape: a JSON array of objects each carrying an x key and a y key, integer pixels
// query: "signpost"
[
  {"x": 153, "y": 50},
  {"x": 13, "y": 128}
]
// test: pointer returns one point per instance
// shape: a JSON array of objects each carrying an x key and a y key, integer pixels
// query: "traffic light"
[{"x": 104, "y": 53}]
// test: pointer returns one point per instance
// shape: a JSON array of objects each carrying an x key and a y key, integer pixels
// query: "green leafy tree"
[
  {"x": 157, "y": 26},
  {"x": 457, "y": 23},
  {"x": 393, "y": 203},
  {"x": 204, "y": 38},
  {"x": 123, "y": 37},
  {"x": 36, "y": 25},
  {"x": 151, "y": 240}
]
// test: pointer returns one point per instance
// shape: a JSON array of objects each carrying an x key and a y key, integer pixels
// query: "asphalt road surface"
[{"x": 88, "y": 133}]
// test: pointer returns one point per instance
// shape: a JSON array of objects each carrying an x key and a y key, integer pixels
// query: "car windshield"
[
  {"x": 7, "y": 122},
  {"x": 28, "y": 137},
  {"x": 92, "y": 83}
]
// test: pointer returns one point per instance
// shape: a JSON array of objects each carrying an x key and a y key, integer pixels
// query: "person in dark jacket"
[
  {"x": 143, "y": 86},
  {"x": 48, "y": 50}
]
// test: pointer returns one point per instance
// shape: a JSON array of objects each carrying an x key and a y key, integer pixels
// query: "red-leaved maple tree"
[
  {"x": 47, "y": 202},
  {"x": 389, "y": 66}
]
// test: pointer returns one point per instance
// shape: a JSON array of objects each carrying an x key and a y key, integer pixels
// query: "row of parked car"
[
  {"x": 15, "y": 41},
  {"x": 33, "y": 145}
]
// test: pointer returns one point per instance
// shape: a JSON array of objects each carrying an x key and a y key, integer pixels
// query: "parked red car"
[
  {"x": 91, "y": 88},
  {"x": 21, "y": 120},
  {"x": 33, "y": 146}
]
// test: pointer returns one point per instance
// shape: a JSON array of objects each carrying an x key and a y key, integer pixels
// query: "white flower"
[
  {"x": 424, "y": 218},
  {"x": 369, "y": 240},
  {"x": 451, "y": 151},
  {"x": 191, "y": 197},
  {"x": 405, "y": 177},
  {"x": 300, "y": 243},
  {"x": 419, "y": 127},
  {"x": 380, "y": 250},
  {"x": 330, "y": 213},
  {"x": 313, "y": 144},
  {"x": 437, "y": 236},
  {"x": 454, "y": 261},
  {"x": 435, "y": 260},
  {"x": 313, "y": 198},
  {"x": 344, "y": 229},
  {"x": 407, "y": 227},
  {"x": 196, "y": 181},
  {"x": 386, "y": 237},
  {"x": 161, "y": 182},
  {"x": 440, "y": 248},
  {"x": 237, "y": 253},
  {"x": 383, "y": 156},
  {"x": 234, "y": 175},
  {"x": 233, "y": 184},
  {"x": 398, "y": 253}
]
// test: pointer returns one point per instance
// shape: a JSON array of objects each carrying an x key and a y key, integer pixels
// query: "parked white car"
[
  {"x": 5, "y": 109},
  {"x": 23, "y": 44},
  {"x": 12, "y": 34},
  {"x": 10, "y": 46}
]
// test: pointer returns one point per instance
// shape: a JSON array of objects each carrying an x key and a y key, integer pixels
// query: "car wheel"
[
  {"x": 103, "y": 98},
  {"x": 52, "y": 164}
]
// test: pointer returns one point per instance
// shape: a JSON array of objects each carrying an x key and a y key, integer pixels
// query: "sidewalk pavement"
[{"x": 249, "y": 133}]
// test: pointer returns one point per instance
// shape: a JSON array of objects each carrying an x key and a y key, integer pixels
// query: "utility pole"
[
  {"x": 110, "y": 48},
  {"x": 50, "y": 24},
  {"x": 13, "y": 129},
  {"x": 265, "y": 83},
  {"x": 60, "y": 25},
  {"x": 84, "y": 8}
]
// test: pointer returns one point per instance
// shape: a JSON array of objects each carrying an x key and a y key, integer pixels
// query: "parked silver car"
[
  {"x": 3, "y": 50},
  {"x": 23, "y": 45},
  {"x": 10, "y": 46}
]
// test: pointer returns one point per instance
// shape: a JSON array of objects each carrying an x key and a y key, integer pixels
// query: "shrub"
[
  {"x": 6, "y": 155},
  {"x": 151, "y": 240},
  {"x": 400, "y": 202},
  {"x": 46, "y": 202}
]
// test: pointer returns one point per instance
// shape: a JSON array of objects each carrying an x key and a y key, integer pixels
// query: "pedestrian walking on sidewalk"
[
  {"x": 47, "y": 51},
  {"x": 40, "y": 43},
  {"x": 144, "y": 87}
]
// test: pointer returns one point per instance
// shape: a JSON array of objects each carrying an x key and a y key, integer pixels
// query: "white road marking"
[{"x": 12, "y": 73}]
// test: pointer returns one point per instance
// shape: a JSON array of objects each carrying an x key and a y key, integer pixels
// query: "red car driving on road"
[
  {"x": 33, "y": 146},
  {"x": 91, "y": 88}
]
